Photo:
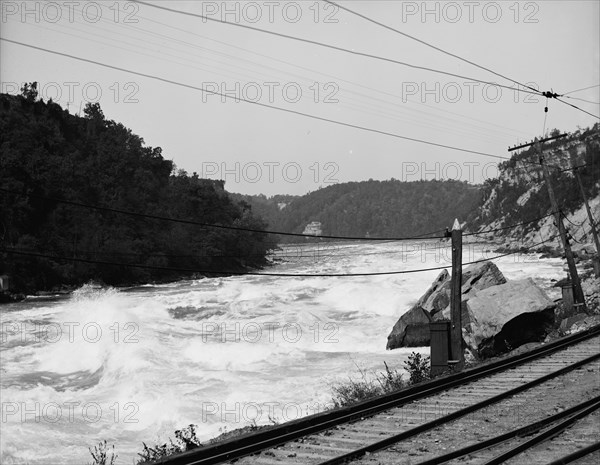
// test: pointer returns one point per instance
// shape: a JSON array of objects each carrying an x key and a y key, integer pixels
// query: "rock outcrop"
[{"x": 412, "y": 329}]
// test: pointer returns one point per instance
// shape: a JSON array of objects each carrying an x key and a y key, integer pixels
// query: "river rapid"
[{"x": 133, "y": 365}]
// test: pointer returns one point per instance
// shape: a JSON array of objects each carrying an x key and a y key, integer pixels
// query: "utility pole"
[
  {"x": 590, "y": 217},
  {"x": 577, "y": 291},
  {"x": 456, "y": 347}
]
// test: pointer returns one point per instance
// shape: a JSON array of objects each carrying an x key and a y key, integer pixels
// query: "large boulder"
[
  {"x": 412, "y": 329},
  {"x": 474, "y": 278},
  {"x": 504, "y": 317},
  {"x": 437, "y": 296}
]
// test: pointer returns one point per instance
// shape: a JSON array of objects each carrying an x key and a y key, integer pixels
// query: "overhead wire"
[
  {"x": 577, "y": 108},
  {"x": 577, "y": 167},
  {"x": 394, "y": 107},
  {"x": 579, "y": 90},
  {"x": 536, "y": 91},
  {"x": 176, "y": 220},
  {"x": 252, "y": 273},
  {"x": 582, "y": 100},
  {"x": 535, "y": 220},
  {"x": 466, "y": 132},
  {"x": 338, "y": 78},
  {"x": 578, "y": 225},
  {"x": 385, "y": 26},
  {"x": 333, "y": 47},
  {"x": 209, "y": 225},
  {"x": 260, "y": 104}
]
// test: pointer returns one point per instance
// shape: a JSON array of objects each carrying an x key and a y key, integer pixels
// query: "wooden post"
[
  {"x": 567, "y": 297},
  {"x": 577, "y": 291},
  {"x": 590, "y": 218},
  {"x": 455, "y": 299},
  {"x": 440, "y": 346}
]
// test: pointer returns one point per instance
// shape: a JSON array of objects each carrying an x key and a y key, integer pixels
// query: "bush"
[
  {"x": 103, "y": 455},
  {"x": 417, "y": 367},
  {"x": 185, "y": 439}
]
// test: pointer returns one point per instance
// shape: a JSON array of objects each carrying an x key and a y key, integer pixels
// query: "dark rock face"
[
  {"x": 523, "y": 329},
  {"x": 506, "y": 316},
  {"x": 412, "y": 329}
]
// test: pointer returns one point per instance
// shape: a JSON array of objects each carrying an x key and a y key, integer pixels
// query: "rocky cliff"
[{"x": 519, "y": 194}]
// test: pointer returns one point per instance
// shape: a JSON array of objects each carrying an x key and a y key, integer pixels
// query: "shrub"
[
  {"x": 417, "y": 367},
  {"x": 103, "y": 455},
  {"x": 185, "y": 439}
]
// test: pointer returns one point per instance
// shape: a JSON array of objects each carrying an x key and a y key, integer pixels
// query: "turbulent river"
[{"x": 133, "y": 365}]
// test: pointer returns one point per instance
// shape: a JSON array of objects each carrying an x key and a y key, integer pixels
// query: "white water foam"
[{"x": 202, "y": 351}]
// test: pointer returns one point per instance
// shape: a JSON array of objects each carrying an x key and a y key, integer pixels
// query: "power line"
[
  {"x": 429, "y": 45},
  {"x": 509, "y": 227},
  {"x": 217, "y": 226},
  {"x": 577, "y": 108},
  {"x": 333, "y": 47},
  {"x": 582, "y": 100},
  {"x": 265, "y": 105},
  {"x": 196, "y": 223},
  {"x": 288, "y": 251},
  {"x": 535, "y": 91},
  {"x": 579, "y": 90},
  {"x": 575, "y": 167},
  {"x": 295, "y": 65},
  {"x": 578, "y": 225},
  {"x": 192, "y": 65},
  {"x": 251, "y": 273},
  {"x": 219, "y": 272}
]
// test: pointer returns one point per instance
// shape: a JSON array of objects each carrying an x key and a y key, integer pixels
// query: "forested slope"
[
  {"x": 47, "y": 153},
  {"x": 377, "y": 208}
]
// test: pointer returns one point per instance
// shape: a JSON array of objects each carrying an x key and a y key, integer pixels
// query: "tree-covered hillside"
[
  {"x": 377, "y": 208},
  {"x": 47, "y": 153}
]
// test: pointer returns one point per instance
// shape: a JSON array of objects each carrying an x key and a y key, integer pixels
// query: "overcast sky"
[{"x": 545, "y": 44}]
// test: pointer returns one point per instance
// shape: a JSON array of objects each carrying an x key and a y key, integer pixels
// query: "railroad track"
[{"x": 477, "y": 406}]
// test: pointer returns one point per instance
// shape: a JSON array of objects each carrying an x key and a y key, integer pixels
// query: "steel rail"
[
  {"x": 577, "y": 454},
  {"x": 541, "y": 437},
  {"x": 277, "y": 435},
  {"x": 531, "y": 428},
  {"x": 391, "y": 440}
]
